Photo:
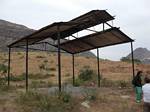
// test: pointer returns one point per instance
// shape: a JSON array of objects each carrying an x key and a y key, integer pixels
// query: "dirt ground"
[{"x": 108, "y": 100}]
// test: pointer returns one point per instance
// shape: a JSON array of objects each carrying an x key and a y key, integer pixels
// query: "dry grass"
[
  {"x": 109, "y": 100},
  {"x": 109, "y": 69}
]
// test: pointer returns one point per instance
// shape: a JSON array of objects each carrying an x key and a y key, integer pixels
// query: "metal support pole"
[
  {"x": 98, "y": 67},
  {"x": 132, "y": 56},
  {"x": 45, "y": 46},
  {"x": 103, "y": 26},
  {"x": 9, "y": 50},
  {"x": 59, "y": 59},
  {"x": 73, "y": 78},
  {"x": 27, "y": 65}
]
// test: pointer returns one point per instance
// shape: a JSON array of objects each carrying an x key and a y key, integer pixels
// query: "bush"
[
  {"x": 38, "y": 76},
  {"x": 40, "y": 57},
  {"x": 42, "y": 67},
  {"x": 3, "y": 71},
  {"x": 90, "y": 94},
  {"x": 45, "y": 61},
  {"x": 50, "y": 69},
  {"x": 6, "y": 88},
  {"x": 33, "y": 101},
  {"x": 78, "y": 82},
  {"x": 124, "y": 84},
  {"x": 63, "y": 95},
  {"x": 118, "y": 83},
  {"x": 18, "y": 77},
  {"x": 3, "y": 81},
  {"x": 86, "y": 74},
  {"x": 107, "y": 83},
  {"x": 126, "y": 59},
  {"x": 49, "y": 84},
  {"x": 38, "y": 84},
  {"x": 3, "y": 68}
]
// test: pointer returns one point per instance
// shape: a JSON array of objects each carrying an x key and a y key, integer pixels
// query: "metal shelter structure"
[{"x": 62, "y": 30}]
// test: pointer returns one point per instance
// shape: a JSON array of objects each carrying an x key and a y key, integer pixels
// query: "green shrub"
[
  {"x": 40, "y": 56},
  {"x": 19, "y": 53},
  {"x": 50, "y": 69},
  {"x": 6, "y": 88},
  {"x": 3, "y": 81},
  {"x": 38, "y": 84},
  {"x": 30, "y": 76},
  {"x": 126, "y": 59},
  {"x": 45, "y": 61},
  {"x": 123, "y": 84},
  {"x": 63, "y": 95},
  {"x": 78, "y": 82},
  {"x": 3, "y": 71},
  {"x": 49, "y": 84},
  {"x": 90, "y": 94},
  {"x": 3, "y": 68},
  {"x": 33, "y": 101},
  {"x": 39, "y": 76},
  {"x": 18, "y": 77},
  {"x": 107, "y": 83},
  {"x": 67, "y": 75},
  {"x": 42, "y": 67},
  {"x": 118, "y": 83},
  {"x": 86, "y": 74},
  {"x": 34, "y": 84}
]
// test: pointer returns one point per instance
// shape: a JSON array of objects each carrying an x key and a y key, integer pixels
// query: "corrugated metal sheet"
[
  {"x": 80, "y": 23},
  {"x": 105, "y": 38}
]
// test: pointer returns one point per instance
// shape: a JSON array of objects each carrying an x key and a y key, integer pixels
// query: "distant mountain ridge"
[
  {"x": 10, "y": 32},
  {"x": 142, "y": 54}
]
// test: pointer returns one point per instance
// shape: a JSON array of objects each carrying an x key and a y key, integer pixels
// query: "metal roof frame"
[
  {"x": 66, "y": 29},
  {"x": 61, "y": 30}
]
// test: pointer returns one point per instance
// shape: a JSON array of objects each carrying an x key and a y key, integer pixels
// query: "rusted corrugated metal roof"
[
  {"x": 66, "y": 29},
  {"x": 105, "y": 38}
]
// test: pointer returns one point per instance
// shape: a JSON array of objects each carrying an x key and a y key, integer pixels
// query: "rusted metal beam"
[{"x": 9, "y": 56}]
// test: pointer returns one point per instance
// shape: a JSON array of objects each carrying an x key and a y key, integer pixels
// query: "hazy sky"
[{"x": 132, "y": 16}]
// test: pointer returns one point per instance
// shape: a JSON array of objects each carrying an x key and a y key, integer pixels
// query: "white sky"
[{"x": 132, "y": 16}]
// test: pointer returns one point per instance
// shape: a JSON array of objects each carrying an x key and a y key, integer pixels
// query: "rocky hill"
[
  {"x": 142, "y": 54},
  {"x": 9, "y": 32}
]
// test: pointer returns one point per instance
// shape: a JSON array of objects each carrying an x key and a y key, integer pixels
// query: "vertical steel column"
[
  {"x": 8, "y": 77},
  {"x": 98, "y": 67},
  {"x": 27, "y": 65},
  {"x": 73, "y": 78},
  {"x": 103, "y": 26},
  {"x": 45, "y": 46},
  {"x": 132, "y": 56},
  {"x": 59, "y": 58}
]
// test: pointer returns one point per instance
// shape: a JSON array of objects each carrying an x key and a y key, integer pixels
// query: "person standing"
[
  {"x": 137, "y": 82},
  {"x": 146, "y": 94}
]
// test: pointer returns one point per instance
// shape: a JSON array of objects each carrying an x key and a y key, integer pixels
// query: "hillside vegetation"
[{"x": 44, "y": 66}]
